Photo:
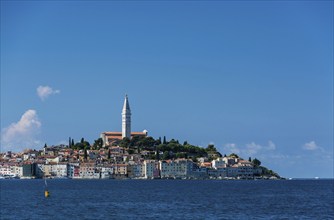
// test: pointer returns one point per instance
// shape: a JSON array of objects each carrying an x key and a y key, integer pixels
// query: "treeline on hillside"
[
  {"x": 155, "y": 148},
  {"x": 163, "y": 149},
  {"x": 83, "y": 144}
]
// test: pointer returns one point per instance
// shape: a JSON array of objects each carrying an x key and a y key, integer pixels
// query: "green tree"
[
  {"x": 164, "y": 141},
  {"x": 165, "y": 155},
  {"x": 181, "y": 155},
  {"x": 158, "y": 141},
  {"x": 267, "y": 172},
  {"x": 250, "y": 159},
  {"x": 79, "y": 146},
  {"x": 234, "y": 155},
  {"x": 157, "y": 154},
  {"x": 185, "y": 143},
  {"x": 85, "y": 154},
  {"x": 256, "y": 162},
  {"x": 45, "y": 146},
  {"x": 147, "y": 142},
  {"x": 211, "y": 147},
  {"x": 136, "y": 141},
  {"x": 125, "y": 143},
  {"x": 173, "y": 146},
  {"x": 82, "y": 140},
  {"x": 69, "y": 142},
  {"x": 72, "y": 144},
  {"x": 86, "y": 144},
  {"x": 97, "y": 143},
  {"x": 100, "y": 142}
]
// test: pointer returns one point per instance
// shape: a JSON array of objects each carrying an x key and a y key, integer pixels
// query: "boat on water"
[{"x": 9, "y": 176}]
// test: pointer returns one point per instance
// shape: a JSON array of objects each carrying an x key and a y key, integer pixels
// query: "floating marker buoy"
[{"x": 46, "y": 193}]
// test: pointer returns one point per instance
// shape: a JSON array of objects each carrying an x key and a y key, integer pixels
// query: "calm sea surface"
[{"x": 167, "y": 199}]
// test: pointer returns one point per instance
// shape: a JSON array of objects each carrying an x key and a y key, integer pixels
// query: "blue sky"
[{"x": 252, "y": 77}]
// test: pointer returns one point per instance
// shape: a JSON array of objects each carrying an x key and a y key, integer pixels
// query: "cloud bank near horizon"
[
  {"x": 250, "y": 149},
  {"x": 311, "y": 146},
  {"x": 21, "y": 134},
  {"x": 44, "y": 92}
]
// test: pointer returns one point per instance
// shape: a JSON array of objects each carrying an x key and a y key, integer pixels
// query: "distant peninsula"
[{"x": 140, "y": 157}]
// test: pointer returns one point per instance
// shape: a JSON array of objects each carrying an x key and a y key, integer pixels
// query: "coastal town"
[{"x": 129, "y": 155}]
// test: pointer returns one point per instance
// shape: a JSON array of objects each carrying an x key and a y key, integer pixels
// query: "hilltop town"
[{"x": 130, "y": 155}]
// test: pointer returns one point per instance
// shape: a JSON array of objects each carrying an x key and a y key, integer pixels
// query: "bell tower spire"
[{"x": 126, "y": 119}]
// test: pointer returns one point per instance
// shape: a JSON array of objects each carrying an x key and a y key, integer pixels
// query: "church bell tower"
[{"x": 126, "y": 119}]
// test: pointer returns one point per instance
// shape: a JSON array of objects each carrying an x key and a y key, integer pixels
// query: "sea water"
[{"x": 167, "y": 199}]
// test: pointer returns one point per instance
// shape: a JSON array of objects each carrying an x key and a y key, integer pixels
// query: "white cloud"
[
  {"x": 253, "y": 148},
  {"x": 311, "y": 146},
  {"x": 45, "y": 91},
  {"x": 22, "y": 134},
  {"x": 250, "y": 149},
  {"x": 271, "y": 145},
  {"x": 211, "y": 143},
  {"x": 232, "y": 148}
]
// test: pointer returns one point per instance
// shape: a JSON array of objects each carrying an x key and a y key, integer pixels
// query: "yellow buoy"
[{"x": 46, "y": 193}]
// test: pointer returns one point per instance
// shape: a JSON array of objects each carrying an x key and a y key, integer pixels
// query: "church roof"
[{"x": 116, "y": 133}]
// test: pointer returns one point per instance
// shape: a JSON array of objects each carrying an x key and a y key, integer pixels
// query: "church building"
[{"x": 109, "y": 137}]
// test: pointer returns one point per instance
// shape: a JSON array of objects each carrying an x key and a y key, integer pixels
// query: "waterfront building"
[
  {"x": 73, "y": 170},
  {"x": 230, "y": 160},
  {"x": 106, "y": 171},
  {"x": 246, "y": 169},
  {"x": 212, "y": 173},
  {"x": 5, "y": 169},
  {"x": 120, "y": 170},
  {"x": 218, "y": 163},
  {"x": 39, "y": 169},
  {"x": 166, "y": 168},
  {"x": 222, "y": 172},
  {"x": 10, "y": 170},
  {"x": 17, "y": 170},
  {"x": 200, "y": 173},
  {"x": 179, "y": 168},
  {"x": 28, "y": 170},
  {"x": 151, "y": 169},
  {"x": 60, "y": 169},
  {"x": 88, "y": 171},
  {"x": 206, "y": 164},
  {"x": 136, "y": 169},
  {"x": 232, "y": 171}
]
